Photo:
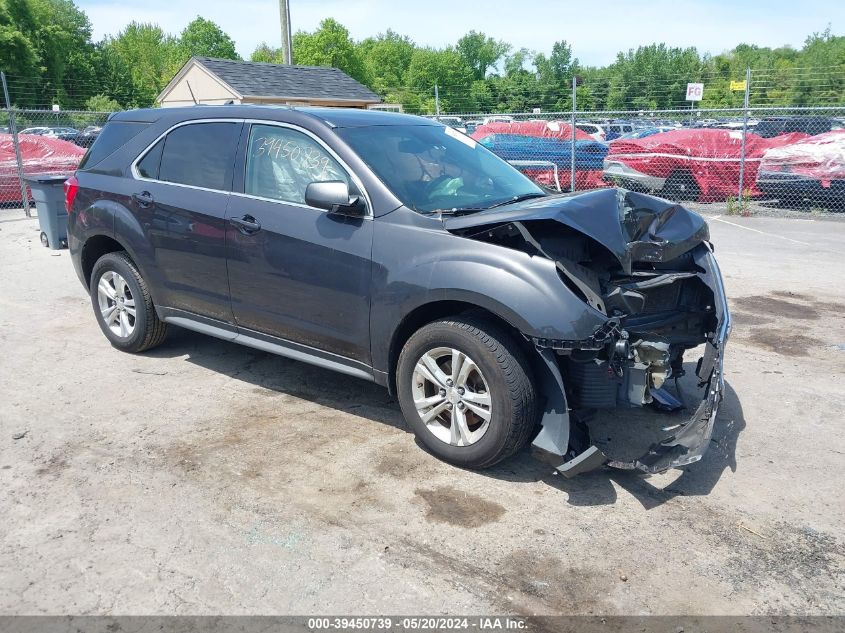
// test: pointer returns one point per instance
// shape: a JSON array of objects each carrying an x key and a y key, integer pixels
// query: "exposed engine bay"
[{"x": 647, "y": 267}]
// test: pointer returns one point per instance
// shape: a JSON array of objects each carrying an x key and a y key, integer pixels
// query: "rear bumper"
[
  {"x": 74, "y": 246},
  {"x": 793, "y": 186},
  {"x": 621, "y": 171}
]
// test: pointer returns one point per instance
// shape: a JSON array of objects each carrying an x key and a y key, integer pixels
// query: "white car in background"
[
  {"x": 594, "y": 130},
  {"x": 454, "y": 122},
  {"x": 497, "y": 118}
]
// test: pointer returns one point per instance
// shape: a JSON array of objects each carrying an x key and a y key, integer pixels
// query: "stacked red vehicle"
[
  {"x": 691, "y": 164},
  {"x": 542, "y": 150},
  {"x": 812, "y": 168},
  {"x": 40, "y": 155}
]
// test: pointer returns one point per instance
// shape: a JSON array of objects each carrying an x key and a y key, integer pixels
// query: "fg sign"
[{"x": 695, "y": 92}]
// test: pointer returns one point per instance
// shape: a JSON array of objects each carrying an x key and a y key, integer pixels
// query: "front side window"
[
  {"x": 200, "y": 154},
  {"x": 281, "y": 163}
]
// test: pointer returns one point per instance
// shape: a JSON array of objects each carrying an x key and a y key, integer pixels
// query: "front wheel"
[
  {"x": 466, "y": 389},
  {"x": 123, "y": 306}
]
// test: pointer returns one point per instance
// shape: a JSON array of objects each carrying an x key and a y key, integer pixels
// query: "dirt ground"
[{"x": 204, "y": 477}]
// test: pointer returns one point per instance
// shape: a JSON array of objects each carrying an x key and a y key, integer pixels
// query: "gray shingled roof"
[{"x": 261, "y": 79}]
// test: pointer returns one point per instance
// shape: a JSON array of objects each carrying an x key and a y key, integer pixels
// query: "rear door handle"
[
  {"x": 144, "y": 199},
  {"x": 246, "y": 225}
]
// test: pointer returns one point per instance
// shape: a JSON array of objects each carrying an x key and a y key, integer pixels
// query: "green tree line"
[{"x": 47, "y": 50}]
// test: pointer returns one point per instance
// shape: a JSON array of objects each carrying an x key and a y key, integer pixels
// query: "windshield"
[{"x": 433, "y": 168}]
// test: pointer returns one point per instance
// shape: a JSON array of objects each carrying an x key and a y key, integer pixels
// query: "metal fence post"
[
  {"x": 14, "y": 130},
  {"x": 744, "y": 133},
  {"x": 572, "y": 143}
]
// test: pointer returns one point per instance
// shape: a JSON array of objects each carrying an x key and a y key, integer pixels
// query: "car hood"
[{"x": 634, "y": 227}]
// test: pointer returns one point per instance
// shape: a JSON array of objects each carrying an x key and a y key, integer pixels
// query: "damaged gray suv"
[{"x": 397, "y": 250}]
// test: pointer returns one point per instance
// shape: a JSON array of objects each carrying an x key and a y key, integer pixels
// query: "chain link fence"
[
  {"x": 40, "y": 142},
  {"x": 738, "y": 160},
  {"x": 734, "y": 160}
]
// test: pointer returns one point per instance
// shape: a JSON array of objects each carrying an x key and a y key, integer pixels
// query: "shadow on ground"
[{"x": 344, "y": 393}]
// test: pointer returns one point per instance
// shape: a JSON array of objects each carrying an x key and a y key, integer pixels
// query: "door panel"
[
  {"x": 304, "y": 276},
  {"x": 186, "y": 228},
  {"x": 181, "y": 194},
  {"x": 297, "y": 272}
]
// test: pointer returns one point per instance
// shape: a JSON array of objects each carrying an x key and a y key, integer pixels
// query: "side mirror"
[{"x": 334, "y": 196}]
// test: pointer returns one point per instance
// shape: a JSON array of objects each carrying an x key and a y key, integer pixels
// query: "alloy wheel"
[
  {"x": 117, "y": 305},
  {"x": 451, "y": 396}
]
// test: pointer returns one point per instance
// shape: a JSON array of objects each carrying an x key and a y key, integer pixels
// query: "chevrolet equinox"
[{"x": 397, "y": 250}]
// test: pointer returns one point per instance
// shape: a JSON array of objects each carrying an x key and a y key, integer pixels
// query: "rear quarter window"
[{"x": 113, "y": 136}]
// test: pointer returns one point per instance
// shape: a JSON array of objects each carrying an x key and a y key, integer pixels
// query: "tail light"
[{"x": 71, "y": 189}]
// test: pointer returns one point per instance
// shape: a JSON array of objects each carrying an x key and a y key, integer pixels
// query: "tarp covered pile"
[{"x": 40, "y": 155}]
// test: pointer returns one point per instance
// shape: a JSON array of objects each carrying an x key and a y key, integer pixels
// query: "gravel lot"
[{"x": 204, "y": 477}]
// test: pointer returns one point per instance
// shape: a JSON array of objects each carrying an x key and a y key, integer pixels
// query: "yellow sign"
[{"x": 738, "y": 85}]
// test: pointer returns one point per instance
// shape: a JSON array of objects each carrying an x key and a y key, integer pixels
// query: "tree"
[
  {"x": 451, "y": 74},
  {"x": 102, "y": 103},
  {"x": 824, "y": 53},
  {"x": 329, "y": 45},
  {"x": 204, "y": 38},
  {"x": 554, "y": 77},
  {"x": 55, "y": 59},
  {"x": 147, "y": 52},
  {"x": 480, "y": 52},
  {"x": 386, "y": 59},
  {"x": 266, "y": 53},
  {"x": 518, "y": 90},
  {"x": 19, "y": 56},
  {"x": 653, "y": 76}
]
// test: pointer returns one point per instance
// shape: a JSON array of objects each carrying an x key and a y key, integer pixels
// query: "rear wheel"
[
  {"x": 123, "y": 306},
  {"x": 680, "y": 186},
  {"x": 466, "y": 389}
]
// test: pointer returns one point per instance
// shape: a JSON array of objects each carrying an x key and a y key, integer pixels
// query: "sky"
[{"x": 596, "y": 31}]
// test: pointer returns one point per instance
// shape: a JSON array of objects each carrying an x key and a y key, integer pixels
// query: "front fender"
[{"x": 416, "y": 262}]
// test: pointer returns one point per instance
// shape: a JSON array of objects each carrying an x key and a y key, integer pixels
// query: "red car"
[
  {"x": 40, "y": 155},
  {"x": 812, "y": 168},
  {"x": 690, "y": 164},
  {"x": 547, "y": 163}
]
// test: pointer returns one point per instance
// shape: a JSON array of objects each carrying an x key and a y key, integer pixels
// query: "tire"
[
  {"x": 139, "y": 332},
  {"x": 680, "y": 186},
  {"x": 503, "y": 375}
]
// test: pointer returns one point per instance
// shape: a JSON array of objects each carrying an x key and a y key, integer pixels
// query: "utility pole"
[
  {"x": 436, "y": 100},
  {"x": 284, "y": 17},
  {"x": 745, "y": 105}
]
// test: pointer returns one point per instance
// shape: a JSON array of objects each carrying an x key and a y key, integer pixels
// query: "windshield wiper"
[
  {"x": 515, "y": 199},
  {"x": 457, "y": 211}
]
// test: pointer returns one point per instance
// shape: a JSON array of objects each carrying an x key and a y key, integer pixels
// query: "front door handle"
[
  {"x": 144, "y": 199},
  {"x": 246, "y": 225}
]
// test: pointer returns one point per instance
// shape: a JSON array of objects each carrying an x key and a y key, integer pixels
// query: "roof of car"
[{"x": 333, "y": 117}]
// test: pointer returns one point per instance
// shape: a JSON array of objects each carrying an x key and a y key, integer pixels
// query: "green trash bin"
[{"x": 48, "y": 192}]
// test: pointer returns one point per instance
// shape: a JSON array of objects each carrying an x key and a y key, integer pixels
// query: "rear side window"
[
  {"x": 149, "y": 164},
  {"x": 113, "y": 136},
  {"x": 200, "y": 154}
]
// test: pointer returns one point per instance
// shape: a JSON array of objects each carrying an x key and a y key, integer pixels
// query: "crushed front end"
[
  {"x": 678, "y": 306},
  {"x": 647, "y": 266}
]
